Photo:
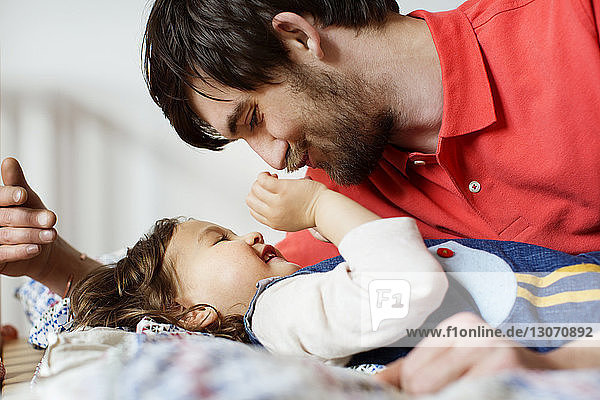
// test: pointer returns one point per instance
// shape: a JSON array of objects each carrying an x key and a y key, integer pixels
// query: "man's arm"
[
  {"x": 29, "y": 245},
  {"x": 438, "y": 362},
  {"x": 582, "y": 353}
]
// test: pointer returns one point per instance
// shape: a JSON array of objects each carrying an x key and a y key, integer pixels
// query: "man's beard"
[{"x": 341, "y": 121}]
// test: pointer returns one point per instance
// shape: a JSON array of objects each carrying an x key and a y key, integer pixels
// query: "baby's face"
[{"x": 215, "y": 266}]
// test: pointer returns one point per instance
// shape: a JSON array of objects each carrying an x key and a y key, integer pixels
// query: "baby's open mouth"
[{"x": 268, "y": 253}]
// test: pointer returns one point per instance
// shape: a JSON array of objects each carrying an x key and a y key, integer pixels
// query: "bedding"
[
  {"x": 57, "y": 319},
  {"x": 190, "y": 366},
  {"x": 36, "y": 298},
  {"x": 164, "y": 361},
  {"x": 127, "y": 365},
  {"x": 51, "y": 322}
]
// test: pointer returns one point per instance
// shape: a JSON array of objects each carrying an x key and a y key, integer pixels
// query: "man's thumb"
[
  {"x": 392, "y": 374},
  {"x": 12, "y": 175}
]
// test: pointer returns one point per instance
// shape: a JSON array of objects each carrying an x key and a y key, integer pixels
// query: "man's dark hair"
[{"x": 230, "y": 42}]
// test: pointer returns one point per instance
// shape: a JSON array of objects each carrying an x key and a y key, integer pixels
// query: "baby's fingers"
[
  {"x": 257, "y": 205},
  {"x": 261, "y": 193},
  {"x": 268, "y": 181},
  {"x": 258, "y": 217}
]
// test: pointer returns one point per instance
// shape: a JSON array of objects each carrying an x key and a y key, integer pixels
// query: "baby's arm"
[
  {"x": 327, "y": 314},
  {"x": 296, "y": 204}
]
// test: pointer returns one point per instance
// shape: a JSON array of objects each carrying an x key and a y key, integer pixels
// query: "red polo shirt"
[{"x": 518, "y": 156}]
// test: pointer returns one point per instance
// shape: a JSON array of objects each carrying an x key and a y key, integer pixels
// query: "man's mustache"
[{"x": 295, "y": 156}]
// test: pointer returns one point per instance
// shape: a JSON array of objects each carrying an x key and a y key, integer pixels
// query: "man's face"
[{"x": 313, "y": 118}]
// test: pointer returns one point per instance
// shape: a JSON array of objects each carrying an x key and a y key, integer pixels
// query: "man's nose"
[
  {"x": 253, "y": 238},
  {"x": 270, "y": 149}
]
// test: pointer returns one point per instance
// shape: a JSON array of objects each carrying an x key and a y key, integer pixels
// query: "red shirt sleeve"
[
  {"x": 303, "y": 249},
  {"x": 592, "y": 11}
]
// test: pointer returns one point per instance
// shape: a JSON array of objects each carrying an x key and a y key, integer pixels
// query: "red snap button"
[{"x": 445, "y": 252}]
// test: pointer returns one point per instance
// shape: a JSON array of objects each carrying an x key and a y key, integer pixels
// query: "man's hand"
[
  {"x": 437, "y": 362},
  {"x": 284, "y": 204},
  {"x": 26, "y": 226}
]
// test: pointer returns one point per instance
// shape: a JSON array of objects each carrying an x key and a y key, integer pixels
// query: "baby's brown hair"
[{"x": 142, "y": 284}]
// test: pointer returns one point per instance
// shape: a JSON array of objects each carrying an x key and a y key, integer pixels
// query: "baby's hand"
[{"x": 284, "y": 204}]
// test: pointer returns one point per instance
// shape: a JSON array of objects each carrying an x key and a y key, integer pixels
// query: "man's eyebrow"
[{"x": 234, "y": 117}]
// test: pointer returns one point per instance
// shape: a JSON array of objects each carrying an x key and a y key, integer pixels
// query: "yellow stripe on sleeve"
[
  {"x": 545, "y": 281},
  {"x": 574, "y": 296}
]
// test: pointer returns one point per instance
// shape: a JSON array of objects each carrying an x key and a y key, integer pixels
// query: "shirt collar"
[{"x": 468, "y": 103}]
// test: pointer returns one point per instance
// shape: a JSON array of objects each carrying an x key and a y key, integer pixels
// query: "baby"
[{"x": 204, "y": 277}]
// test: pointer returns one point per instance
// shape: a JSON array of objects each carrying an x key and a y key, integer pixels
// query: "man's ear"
[
  {"x": 199, "y": 318},
  {"x": 298, "y": 35}
]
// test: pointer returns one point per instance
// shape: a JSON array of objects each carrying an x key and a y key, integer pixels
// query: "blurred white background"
[{"x": 75, "y": 112}]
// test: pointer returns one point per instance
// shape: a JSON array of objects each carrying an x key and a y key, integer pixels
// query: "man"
[{"x": 479, "y": 122}]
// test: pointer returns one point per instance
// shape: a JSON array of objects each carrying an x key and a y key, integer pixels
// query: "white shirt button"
[
  {"x": 419, "y": 162},
  {"x": 474, "y": 187}
]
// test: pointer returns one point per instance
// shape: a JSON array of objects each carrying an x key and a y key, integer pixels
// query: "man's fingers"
[
  {"x": 425, "y": 353},
  {"x": 12, "y": 196},
  {"x": 432, "y": 348},
  {"x": 392, "y": 374},
  {"x": 12, "y": 175},
  {"x": 436, "y": 362},
  {"x": 19, "y": 252},
  {"x": 419, "y": 359},
  {"x": 19, "y": 217},
  {"x": 449, "y": 366},
  {"x": 26, "y": 235},
  {"x": 509, "y": 356}
]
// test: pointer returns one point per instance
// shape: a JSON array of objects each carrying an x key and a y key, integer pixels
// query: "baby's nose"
[{"x": 253, "y": 238}]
